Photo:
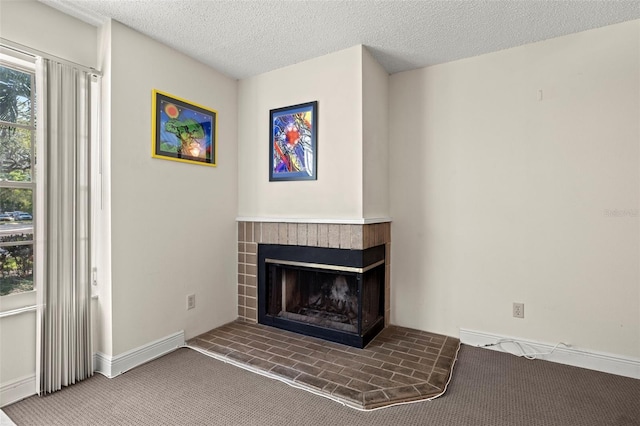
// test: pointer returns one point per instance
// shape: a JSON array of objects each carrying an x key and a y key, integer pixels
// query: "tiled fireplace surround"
[{"x": 344, "y": 236}]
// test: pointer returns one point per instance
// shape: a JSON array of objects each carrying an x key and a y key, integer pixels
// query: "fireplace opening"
[{"x": 334, "y": 294}]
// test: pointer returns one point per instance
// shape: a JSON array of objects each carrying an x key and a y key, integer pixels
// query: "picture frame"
[
  {"x": 293, "y": 136},
  {"x": 183, "y": 131}
]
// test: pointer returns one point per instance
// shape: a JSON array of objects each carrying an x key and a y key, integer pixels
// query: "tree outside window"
[{"x": 17, "y": 186}]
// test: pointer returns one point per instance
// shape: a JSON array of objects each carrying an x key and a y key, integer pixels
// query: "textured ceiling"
[{"x": 246, "y": 38}]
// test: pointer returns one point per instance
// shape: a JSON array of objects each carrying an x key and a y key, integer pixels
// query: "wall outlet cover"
[{"x": 518, "y": 310}]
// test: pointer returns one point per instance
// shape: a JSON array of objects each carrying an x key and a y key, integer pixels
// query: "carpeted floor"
[{"x": 189, "y": 388}]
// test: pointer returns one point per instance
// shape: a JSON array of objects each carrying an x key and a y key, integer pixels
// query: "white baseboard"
[
  {"x": 112, "y": 366},
  {"x": 17, "y": 389},
  {"x": 592, "y": 360},
  {"x": 25, "y": 387}
]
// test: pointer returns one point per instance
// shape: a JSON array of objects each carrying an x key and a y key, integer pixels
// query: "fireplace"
[{"x": 334, "y": 294}]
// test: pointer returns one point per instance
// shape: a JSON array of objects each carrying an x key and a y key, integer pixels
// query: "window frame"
[{"x": 24, "y": 63}]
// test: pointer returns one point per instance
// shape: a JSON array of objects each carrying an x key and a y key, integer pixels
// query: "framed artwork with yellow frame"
[{"x": 183, "y": 131}]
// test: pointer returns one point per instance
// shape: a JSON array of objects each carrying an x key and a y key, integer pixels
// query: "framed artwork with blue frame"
[
  {"x": 183, "y": 131},
  {"x": 293, "y": 136}
]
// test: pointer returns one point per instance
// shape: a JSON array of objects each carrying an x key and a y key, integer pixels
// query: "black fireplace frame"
[{"x": 271, "y": 254}]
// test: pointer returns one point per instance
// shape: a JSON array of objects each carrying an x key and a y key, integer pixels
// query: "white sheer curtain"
[{"x": 63, "y": 249}]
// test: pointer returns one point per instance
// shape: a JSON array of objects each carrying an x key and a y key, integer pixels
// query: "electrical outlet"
[
  {"x": 518, "y": 310},
  {"x": 191, "y": 301}
]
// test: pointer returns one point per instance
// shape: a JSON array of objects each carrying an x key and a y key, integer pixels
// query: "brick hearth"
[{"x": 399, "y": 365}]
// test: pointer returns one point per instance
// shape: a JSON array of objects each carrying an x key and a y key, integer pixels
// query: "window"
[{"x": 17, "y": 177}]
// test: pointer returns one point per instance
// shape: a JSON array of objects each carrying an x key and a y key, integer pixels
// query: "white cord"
[{"x": 523, "y": 353}]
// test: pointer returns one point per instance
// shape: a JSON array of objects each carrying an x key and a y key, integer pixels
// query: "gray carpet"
[{"x": 189, "y": 388}]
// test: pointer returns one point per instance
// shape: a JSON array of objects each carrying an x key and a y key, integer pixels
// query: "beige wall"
[
  {"x": 375, "y": 138},
  {"x": 17, "y": 344},
  {"x": 41, "y": 27},
  {"x": 352, "y": 93},
  {"x": 102, "y": 307},
  {"x": 499, "y": 197},
  {"x": 335, "y": 81},
  {"x": 173, "y": 229}
]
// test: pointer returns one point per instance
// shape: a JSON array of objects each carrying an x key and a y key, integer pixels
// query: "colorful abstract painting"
[
  {"x": 183, "y": 131},
  {"x": 293, "y": 145}
]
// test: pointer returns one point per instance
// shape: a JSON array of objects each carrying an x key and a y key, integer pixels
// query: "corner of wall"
[
  {"x": 375, "y": 137},
  {"x": 103, "y": 313}
]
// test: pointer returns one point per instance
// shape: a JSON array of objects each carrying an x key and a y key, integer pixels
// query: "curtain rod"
[{"x": 35, "y": 52}]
